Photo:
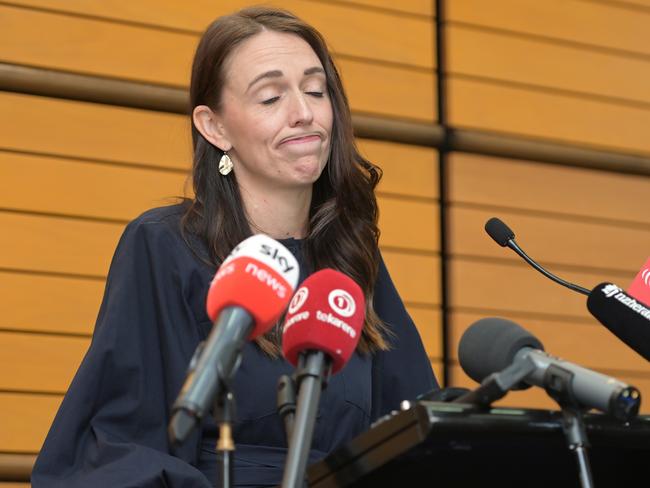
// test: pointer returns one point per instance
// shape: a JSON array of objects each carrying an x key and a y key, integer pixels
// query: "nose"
[{"x": 301, "y": 112}]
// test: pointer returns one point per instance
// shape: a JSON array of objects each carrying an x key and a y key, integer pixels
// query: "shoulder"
[
  {"x": 162, "y": 218},
  {"x": 158, "y": 232}
]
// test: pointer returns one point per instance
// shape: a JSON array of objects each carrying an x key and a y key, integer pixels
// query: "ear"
[{"x": 208, "y": 124}]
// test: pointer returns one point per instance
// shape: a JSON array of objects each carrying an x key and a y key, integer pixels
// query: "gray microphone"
[{"x": 500, "y": 353}]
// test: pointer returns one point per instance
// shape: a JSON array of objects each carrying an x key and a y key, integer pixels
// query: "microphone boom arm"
[{"x": 513, "y": 245}]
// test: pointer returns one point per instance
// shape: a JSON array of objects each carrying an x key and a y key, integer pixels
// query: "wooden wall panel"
[
  {"x": 428, "y": 322},
  {"x": 30, "y": 417},
  {"x": 37, "y": 302},
  {"x": 57, "y": 245},
  {"x": 89, "y": 45},
  {"x": 603, "y": 24},
  {"x": 419, "y": 7},
  {"x": 570, "y": 68},
  {"x": 83, "y": 188},
  {"x": 559, "y": 117},
  {"x": 409, "y": 224},
  {"x": 416, "y": 277},
  {"x": 621, "y": 250},
  {"x": 551, "y": 189},
  {"x": 349, "y": 30},
  {"x": 388, "y": 91},
  {"x": 408, "y": 170},
  {"x": 94, "y": 131},
  {"x": 505, "y": 286},
  {"x": 37, "y": 362}
]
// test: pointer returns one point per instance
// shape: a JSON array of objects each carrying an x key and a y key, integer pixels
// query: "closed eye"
[
  {"x": 315, "y": 94},
  {"x": 270, "y": 101}
]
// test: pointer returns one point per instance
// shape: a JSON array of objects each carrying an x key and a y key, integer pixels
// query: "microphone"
[
  {"x": 321, "y": 331},
  {"x": 623, "y": 323},
  {"x": 502, "y": 355},
  {"x": 247, "y": 296},
  {"x": 627, "y": 318},
  {"x": 503, "y": 235}
]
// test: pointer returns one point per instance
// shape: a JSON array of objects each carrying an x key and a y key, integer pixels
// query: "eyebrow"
[{"x": 277, "y": 74}]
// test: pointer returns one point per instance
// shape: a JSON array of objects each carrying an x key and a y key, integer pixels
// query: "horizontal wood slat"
[
  {"x": 57, "y": 245},
  {"x": 36, "y": 362},
  {"x": 408, "y": 224},
  {"x": 515, "y": 110},
  {"x": 49, "y": 303},
  {"x": 82, "y": 188},
  {"x": 420, "y": 7},
  {"x": 31, "y": 416},
  {"x": 429, "y": 324},
  {"x": 348, "y": 29},
  {"x": 390, "y": 91},
  {"x": 408, "y": 170},
  {"x": 603, "y": 24},
  {"x": 517, "y": 287},
  {"x": 524, "y": 185},
  {"x": 91, "y": 46},
  {"x": 417, "y": 278},
  {"x": 93, "y": 131},
  {"x": 588, "y": 344},
  {"x": 562, "y": 67},
  {"x": 552, "y": 240}
]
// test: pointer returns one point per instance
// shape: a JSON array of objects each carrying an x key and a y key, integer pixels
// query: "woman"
[{"x": 273, "y": 153}]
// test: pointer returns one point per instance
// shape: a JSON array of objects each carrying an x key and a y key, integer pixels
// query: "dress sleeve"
[
  {"x": 404, "y": 371},
  {"x": 111, "y": 428}
]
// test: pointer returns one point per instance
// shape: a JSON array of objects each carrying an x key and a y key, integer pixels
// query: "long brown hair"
[{"x": 343, "y": 231}]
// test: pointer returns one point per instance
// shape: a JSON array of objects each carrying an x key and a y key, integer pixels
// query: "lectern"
[{"x": 444, "y": 444}]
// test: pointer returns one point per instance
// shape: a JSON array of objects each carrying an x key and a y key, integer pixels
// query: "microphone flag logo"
[
  {"x": 640, "y": 287},
  {"x": 611, "y": 290},
  {"x": 342, "y": 302},
  {"x": 298, "y": 299}
]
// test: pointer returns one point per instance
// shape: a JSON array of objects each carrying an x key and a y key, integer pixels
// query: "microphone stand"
[
  {"x": 224, "y": 413},
  {"x": 312, "y": 367},
  {"x": 557, "y": 383},
  {"x": 286, "y": 403}
]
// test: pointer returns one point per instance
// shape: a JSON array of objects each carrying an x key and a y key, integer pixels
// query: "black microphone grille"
[
  {"x": 499, "y": 231},
  {"x": 489, "y": 345}
]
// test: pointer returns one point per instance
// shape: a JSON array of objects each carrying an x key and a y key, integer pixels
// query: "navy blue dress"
[{"x": 111, "y": 429}]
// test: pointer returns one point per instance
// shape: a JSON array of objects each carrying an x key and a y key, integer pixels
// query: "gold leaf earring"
[{"x": 225, "y": 164}]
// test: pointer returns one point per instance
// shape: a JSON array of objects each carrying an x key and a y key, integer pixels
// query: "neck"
[{"x": 278, "y": 213}]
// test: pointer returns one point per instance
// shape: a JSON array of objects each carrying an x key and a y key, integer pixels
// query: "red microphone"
[
  {"x": 325, "y": 314},
  {"x": 321, "y": 331},
  {"x": 247, "y": 296},
  {"x": 640, "y": 287},
  {"x": 259, "y": 275}
]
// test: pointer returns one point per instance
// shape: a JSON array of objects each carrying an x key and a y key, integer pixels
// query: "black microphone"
[
  {"x": 622, "y": 321},
  {"x": 500, "y": 352},
  {"x": 503, "y": 235},
  {"x": 626, "y": 317}
]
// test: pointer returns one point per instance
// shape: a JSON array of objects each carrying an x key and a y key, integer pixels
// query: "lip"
[{"x": 301, "y": 138}]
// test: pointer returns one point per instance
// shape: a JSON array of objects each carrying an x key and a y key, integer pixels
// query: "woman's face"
[{"x": 275, "y": 112}]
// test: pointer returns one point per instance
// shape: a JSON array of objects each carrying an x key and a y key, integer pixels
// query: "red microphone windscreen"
[
  {"x": 259, "y": 275},
  {"x": 640, "y": 287},
  {"x": 325, "y": 314}
]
